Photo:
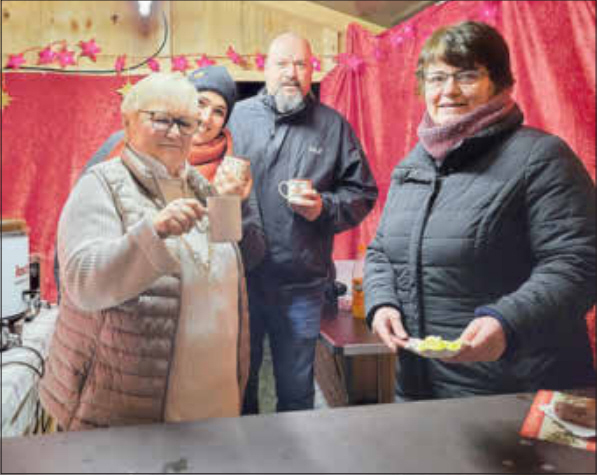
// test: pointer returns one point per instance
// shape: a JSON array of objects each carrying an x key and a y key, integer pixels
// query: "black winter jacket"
[
  {"x": 504, "y": 227},
  {"x": 313, "y": 143}
]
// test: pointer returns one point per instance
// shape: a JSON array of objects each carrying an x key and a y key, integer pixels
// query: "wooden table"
[
  {"x": 366, "y": 366},
  {"x": 469, "y": 435}
]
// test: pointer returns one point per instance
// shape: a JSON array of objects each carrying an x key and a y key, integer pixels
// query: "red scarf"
[
  {"x": 439, "y": 141},
  {"x": 206, "y": 158}
]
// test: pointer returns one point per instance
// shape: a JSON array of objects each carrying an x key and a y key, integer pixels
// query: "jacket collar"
[
  {"x": 147, "y": 177},
  {"x": 478, "y": 144},
  {"x": 269, "y": 101},
  {"x": 421, "y": 167}
]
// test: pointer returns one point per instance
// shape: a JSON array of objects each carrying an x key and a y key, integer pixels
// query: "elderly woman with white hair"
[{"x": 153, "y": 324}]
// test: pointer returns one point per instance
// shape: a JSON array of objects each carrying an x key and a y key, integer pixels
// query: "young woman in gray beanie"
[{"x": 217, "y": 95}]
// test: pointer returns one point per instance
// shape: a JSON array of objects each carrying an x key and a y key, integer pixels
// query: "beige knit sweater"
[{"x": 149, "y": 329}]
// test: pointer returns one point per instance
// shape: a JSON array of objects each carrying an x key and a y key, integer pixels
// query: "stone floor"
[{"x": 267, "y": 387}]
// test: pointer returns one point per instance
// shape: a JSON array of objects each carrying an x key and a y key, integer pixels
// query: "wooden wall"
[{"x": 195, "y": 28}]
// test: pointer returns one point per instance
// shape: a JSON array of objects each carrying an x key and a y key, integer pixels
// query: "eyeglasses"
[
  {"x": 466, "y": 77},
  {"x": 162, "y": 121}
]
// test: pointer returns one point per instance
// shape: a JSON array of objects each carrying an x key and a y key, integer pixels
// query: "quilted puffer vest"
[{"x": 111, "y": 367}]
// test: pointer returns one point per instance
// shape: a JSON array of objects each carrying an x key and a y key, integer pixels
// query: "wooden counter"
[{"x": 470, "y": 435}]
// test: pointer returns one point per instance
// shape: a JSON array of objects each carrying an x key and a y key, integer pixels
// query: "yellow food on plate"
[{"x": 438, "y": 344}]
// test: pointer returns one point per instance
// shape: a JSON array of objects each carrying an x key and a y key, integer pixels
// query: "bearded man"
[{"x": 287, "y": 133}]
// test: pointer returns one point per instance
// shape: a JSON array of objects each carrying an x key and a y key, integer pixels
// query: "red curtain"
[
  {"x": 552, "y": 46},
  {"x": 50, "y": 128},
  {"x": 54, "y": 122}
]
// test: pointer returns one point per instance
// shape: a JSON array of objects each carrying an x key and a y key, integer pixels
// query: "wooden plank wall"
[{"x": 195, "y": 28}]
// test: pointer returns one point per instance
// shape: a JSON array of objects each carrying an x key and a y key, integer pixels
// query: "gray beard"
[{"x": 285, "y": 103}]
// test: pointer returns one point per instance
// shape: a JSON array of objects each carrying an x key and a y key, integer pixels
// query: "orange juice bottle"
[{"x": 358, "y": 293}]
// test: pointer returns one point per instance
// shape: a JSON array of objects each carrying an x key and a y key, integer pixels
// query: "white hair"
[{"x": 172, "y": 89}]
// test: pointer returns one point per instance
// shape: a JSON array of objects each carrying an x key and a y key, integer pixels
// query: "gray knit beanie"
[{"x": 217, "y": 79}]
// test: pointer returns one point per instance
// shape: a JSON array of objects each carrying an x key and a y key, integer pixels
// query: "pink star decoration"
[
  {"x": 234, "y": 56},
  {"x": 153, "y": 64},
  {"x": 180, "y": 63},
  {"x": 396, "y": 38},
  {"x": 409, "y": 31},
  {"x": 353, "y": 62},
  {"x": 204, "y": 61},
  {"x": 46, "y": 56},
  {"x": 379, "y": 53},
  {"x": 316, "y": 62},
  {"x": 260, "y": 61},
  {"x": 489, "y": 11},
  {"x": 66, "y": 57},
  {"x": 119, "y": 63},
  {"x": 15, "y": 61},
  {"x": 89, "y": 49}
]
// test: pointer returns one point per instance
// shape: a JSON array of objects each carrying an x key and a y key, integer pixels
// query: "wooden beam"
[{"x": 314, "y": 12}]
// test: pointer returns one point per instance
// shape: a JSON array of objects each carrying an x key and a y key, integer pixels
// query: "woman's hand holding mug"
[
  {"x": 178, "y": 217},
  {"x": 234, "y": 177}
]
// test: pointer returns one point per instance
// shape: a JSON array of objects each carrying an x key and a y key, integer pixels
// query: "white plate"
[{"x": 576, "y": 430}]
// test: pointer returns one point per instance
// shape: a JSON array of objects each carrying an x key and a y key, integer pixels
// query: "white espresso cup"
[
  {"x": 237, "y": 166},
  {"x": 294, "y": 188},
  {"x": 224, "y": 215}
]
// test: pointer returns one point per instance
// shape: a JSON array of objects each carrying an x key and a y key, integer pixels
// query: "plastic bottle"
[{"x": 358, "y": 293}]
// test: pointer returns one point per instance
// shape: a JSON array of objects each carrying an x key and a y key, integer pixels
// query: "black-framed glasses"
[
  {"x": 466, "y": 77},
  {"x": 162, "y": 121}
]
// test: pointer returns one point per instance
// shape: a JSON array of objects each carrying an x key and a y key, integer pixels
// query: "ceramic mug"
[
  {"x": 237, "y": 166},
  {"x": 224, "y": 213},
  {"x": 294, "y": 188}
]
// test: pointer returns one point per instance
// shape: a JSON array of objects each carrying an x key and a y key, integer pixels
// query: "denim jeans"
[{"x": 291, "y": 321}]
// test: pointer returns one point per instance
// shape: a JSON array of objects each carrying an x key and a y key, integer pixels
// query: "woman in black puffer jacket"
[{"x": 488, "y": 235}]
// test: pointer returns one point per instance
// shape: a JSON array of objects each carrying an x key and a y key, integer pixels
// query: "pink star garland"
[
  {"x": 46, "y": 56},
  {"x": 405, "y": 33},
  {"x": 66, "y": 57},
  {"x": 409, "y": 31},
  {"x": 180, "y": 63},
  {"x": 316, "y": 63},
  {"x": 15, "y": 61},
  {"x": 379, "y": 53},
  {"x": 204, "y": 61},
  {"x": 489, "y": 11},
  {"x": 396, "y": 38},
  {"x": 153, "y": 65},
  {"x": 89, "y": 49},
  {"x": 234, "y": 56},
  {"x": 119, "y": 63},
  {"x": 353, "y": 62},
  {"x": 260, "y": 61}
]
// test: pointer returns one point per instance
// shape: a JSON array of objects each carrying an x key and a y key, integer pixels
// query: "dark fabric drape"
[{"x": 552, "y": 46}]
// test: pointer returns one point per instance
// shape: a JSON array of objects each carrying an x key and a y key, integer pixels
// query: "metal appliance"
[{"x": 20, "y": 300}]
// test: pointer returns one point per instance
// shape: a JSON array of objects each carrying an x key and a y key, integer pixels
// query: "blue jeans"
[{"x": 291, "y": 321}]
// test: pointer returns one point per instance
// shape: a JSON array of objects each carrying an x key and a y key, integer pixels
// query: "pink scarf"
[{"x": 439, "y": 141}]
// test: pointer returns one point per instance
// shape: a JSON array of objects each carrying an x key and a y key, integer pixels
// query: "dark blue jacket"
[
  {"x": 505, "y": 227},
  {"x": 314, "y": 143}
]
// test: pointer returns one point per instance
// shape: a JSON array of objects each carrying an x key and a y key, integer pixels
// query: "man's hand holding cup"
[{"x": 302, "y": 197}]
